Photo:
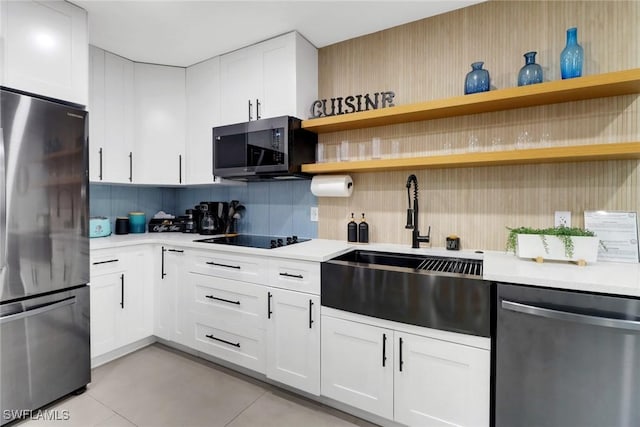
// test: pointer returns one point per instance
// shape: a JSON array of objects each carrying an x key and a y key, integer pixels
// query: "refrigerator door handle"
[
  {"x": 3, "y": 209},
  {"x": 39, "y": 310},
  {"x": 607, "y": 322}
]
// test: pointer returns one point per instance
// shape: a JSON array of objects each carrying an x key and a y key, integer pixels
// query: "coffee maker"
[{"x": 211, "y": 217}]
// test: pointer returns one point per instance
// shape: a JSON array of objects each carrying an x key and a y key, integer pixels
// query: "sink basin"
[
  {"x": 435, "y": 292},
  {"x": 382, "y": 258}
]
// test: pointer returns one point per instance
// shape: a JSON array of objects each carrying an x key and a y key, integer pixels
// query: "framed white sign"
[{"x": 618, "y": 231}]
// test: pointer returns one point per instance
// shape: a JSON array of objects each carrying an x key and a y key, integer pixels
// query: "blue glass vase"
[
  {"x": 571, "y": 56},
  {"x": 531, "y": 73},
  {"x": 477, "y": 79}
]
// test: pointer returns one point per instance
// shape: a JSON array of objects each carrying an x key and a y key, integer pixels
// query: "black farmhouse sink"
[{"x": 435, "y": 292}]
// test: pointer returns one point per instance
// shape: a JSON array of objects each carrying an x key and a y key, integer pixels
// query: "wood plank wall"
[{"x": 429, "y": 59}]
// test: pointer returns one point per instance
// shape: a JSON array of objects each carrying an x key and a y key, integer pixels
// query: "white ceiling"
[{"x": 182, "y": 33}]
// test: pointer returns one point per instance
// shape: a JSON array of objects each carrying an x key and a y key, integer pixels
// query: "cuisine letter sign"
[{"x": 351, "y": 104}]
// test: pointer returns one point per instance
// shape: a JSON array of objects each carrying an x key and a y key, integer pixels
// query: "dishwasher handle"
[{"x": 607, "y": 322}]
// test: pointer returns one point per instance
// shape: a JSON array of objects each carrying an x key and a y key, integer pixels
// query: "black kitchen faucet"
[{"x": 412, "y": 214}]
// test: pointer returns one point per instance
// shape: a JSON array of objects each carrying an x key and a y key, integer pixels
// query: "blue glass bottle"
[
  {"x": 572, "y": 56},
  {"x": 477, "y": 79},
  {"x": 531, "y": 73}
]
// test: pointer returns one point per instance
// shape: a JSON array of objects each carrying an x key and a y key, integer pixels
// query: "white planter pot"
[{"x": 585, "y": 248}]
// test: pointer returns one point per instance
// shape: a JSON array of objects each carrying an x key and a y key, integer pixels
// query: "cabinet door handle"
[
  {"x": 122, "y": 290},
  {"x": 384, "y": 349},
  {"x": 100, "y": 171},
  {"x": 105, "y": 262},
  {"x": 237, "y": 267},
  {"x": 222, "y": 299},
  {"x": 269, "y": 312},
  {"x": 180, "y": 251},
  {"x": 401, "y": 362},
  {"x": 235, "y": 344},
  {"x": 296, "y": 276},
  {"x": 250, "y": 106},
  {"x": 130, "y": 166},
  {"x": 310, "y": 313},
  {"x": 162, "y": 273},
  {"x": 257, "y": 109},
  {"x": 179, "y": 168}
]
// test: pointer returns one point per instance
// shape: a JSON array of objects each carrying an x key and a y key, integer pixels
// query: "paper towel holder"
[{"x": 332, "y": 186}]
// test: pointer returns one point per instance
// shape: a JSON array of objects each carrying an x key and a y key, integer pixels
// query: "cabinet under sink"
[{"x": 435, "y": 292}]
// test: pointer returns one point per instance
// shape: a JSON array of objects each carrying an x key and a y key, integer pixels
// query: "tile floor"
[{"x": 158, "y": 386}]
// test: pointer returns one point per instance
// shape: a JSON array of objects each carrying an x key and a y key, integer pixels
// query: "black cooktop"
[{"x": 254, "y": 241}]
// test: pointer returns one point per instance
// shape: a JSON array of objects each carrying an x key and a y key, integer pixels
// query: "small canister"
[
  {"x": 137, "y": 222},
  {"x": 122, "y": 225}
]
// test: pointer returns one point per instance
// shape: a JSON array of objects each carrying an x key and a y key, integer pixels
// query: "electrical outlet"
[
  {"x": 314, "y": 214},
  {"x": 562, "y": 218}
]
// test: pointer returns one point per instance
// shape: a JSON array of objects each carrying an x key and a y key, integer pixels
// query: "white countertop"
[
  {"x": 313, "y": 250},
  {"x": 602, "y": 277}
]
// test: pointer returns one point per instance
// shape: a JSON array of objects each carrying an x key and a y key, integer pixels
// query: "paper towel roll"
[{"x": 332, "y": 186}]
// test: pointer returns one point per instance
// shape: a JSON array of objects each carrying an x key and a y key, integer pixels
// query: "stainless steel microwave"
[{"x": 263, "y": 149}]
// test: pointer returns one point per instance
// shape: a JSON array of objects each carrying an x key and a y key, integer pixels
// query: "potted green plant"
[{"x": 556, "y": 243}]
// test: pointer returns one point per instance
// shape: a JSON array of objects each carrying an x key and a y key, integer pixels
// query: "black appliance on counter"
[
  {"x": 263, "y": 149},
  {"x": 211, "y": 217},
  {"x": 255, "y": 241}
]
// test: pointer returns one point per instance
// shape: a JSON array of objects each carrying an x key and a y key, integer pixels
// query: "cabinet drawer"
[
  {"x": 105, "y": 263},
  {"x": 242, "y": 346},
  {"x": 221, "y": 299},
  {"x": 230, "y": 266},
  {"x": 303, "y": 276}
]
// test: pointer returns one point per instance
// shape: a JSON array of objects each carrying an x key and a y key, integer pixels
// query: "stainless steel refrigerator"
[{"x": 44, "y": 253}]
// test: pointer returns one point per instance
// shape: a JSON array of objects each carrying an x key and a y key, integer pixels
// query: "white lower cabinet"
[
  {"x": 121, "y": 299},
  {"x": 169, "y": 301},
  {"x": 411, "y": 379},
  {"x": 357, "y": 365},
  {"x": 440, "y": 383},
  {"x": 293, "y": 339},
  {"x": 226, "y": 319}
]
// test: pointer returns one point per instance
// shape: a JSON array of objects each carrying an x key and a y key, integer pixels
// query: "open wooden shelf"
[
  {"x": 576, "y": 153},
  {"x": 588, "y": 87}
]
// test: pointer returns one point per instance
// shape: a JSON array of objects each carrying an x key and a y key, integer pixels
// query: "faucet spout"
[{"x": 412, "y": 214}]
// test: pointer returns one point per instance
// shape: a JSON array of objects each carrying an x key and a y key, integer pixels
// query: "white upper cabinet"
[
  {"x": 46, "y": 49},
  {"x": 111, "y": 117},
  {"x": 273, "y": 78},
  {"x": 160, "y": 123},
  {"x": 203, "y": 113}
]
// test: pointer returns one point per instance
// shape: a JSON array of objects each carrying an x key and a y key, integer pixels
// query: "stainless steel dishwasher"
[{"x": 566, "y": 359}]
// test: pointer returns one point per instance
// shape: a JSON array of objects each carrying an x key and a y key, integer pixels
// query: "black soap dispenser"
[
  {"x": 363, "y": 231},
  {"x": 352, "y": 230}
]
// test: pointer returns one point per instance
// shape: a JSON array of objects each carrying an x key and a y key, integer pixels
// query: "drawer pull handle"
[
  {"x": 235, "y": 344},
  {"x": 296, "y": 276},
  {"x": 180, "y": 251},
  {"x": 222, "y": 299},
  {"x": 237, "y": 267},
  {"x": 105, "y": 262}
]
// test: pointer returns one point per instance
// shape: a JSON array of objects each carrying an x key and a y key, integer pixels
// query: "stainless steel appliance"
[
  {"x": 263, "y": 149},
  {"x": 254, "y": 241},
  {"x": 567, "y": 359},
  {"x": 44, "y": 253}
]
